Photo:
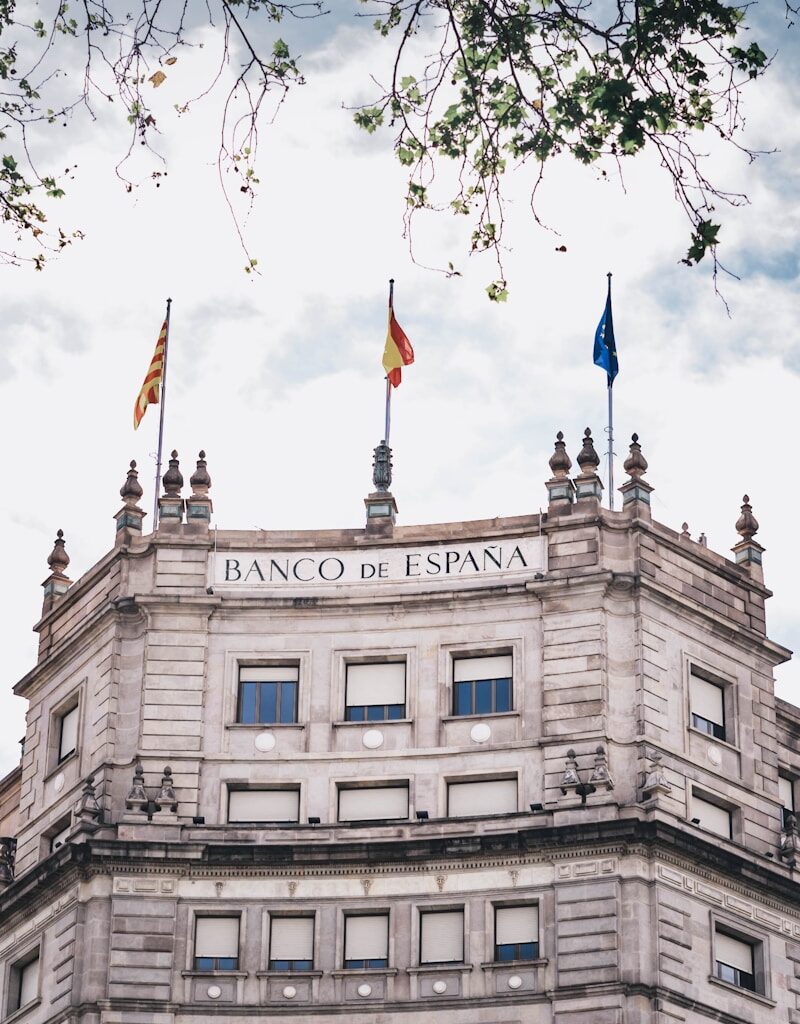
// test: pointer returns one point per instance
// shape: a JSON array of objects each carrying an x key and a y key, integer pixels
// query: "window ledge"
[
  {"x": 374, "y": 725},
  {"x": 489, "y": 714},
  {"x": 373, "y": 972},
  {"x": 261, "y": 726},
  {"x": 713, "y": 739},
  {"x": 61, "y": 765},
  {"x": 758, "y": 997},
  {"x": 23, "y": 1010},
  {"x": 439, "y": 968},
  {"x": 494, "y": 965},
  {"x": 213, "y": 974},
  {"x": 288, "y": 974}
]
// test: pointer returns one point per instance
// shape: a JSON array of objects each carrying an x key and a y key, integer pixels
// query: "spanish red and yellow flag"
[
  {"x": 152, "y": 381},
  {"x": 397, "y": 352}
]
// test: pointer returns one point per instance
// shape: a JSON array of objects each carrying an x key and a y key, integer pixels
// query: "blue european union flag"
[{"x": 605, "y": 347}]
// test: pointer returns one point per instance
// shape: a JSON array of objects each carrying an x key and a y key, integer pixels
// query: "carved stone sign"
[{"x": 505, "y": 560}]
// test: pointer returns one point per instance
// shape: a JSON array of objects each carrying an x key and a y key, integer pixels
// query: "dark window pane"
[
  {"x": 528, "y": 950},
  {"x": 463, "y": 699},
  {"x": 355, "y": 714},
  {"x": 503, "y": 695},
  {"x": 279, "y": 965},
  {"x": 376, "y": 713},
  {"x": 227, "y": 963},
  {"x": 302, "y": 965},
  {"x": 247, "y": 703},
  {"x": 376, "y": 963},
  {"x": 483, "y": 696},
  {"x": 288, "y": 693},
  {"x": 203, "y": 963},
  {"x": 268, "y": 703},
  {"x": 396, "y": 711},
  {"x": 506, "y": 952}
]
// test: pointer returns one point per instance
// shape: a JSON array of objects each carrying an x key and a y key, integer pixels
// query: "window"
[
  {"x": 712, "y": 817},
  {"x": 23, "y": 981},
  {"x": 216, "y": 943},
  {"x": 376, "y": 693},
  {"x": 707, "y": 703},
  {"x": 67, "y": 734},
  {"x": 373, "y": 803},
  {"x": 482, "y": 686},
  {"x": 291, "y": 944},
  {"x": 493, "y": 796},
  {"x": 366, "y": 941},
  {"x": 441, "y": 937},
  {"x": 734, "y": 961},
  {"x": 786, "y": 794},
  {"x": 516, "y": 933},
  {"x": 268, "y": 694},
  {"x": 263, "y": 805}
]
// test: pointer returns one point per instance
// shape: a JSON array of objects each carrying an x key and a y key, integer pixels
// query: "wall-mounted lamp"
[
  {"x": 537, "y": 808},
  {"x": 695, "y": 821},
  {"x": 312, "y": 820},
  {"x": 422, "y": 815},
  {"x": 199, "y": 820}
]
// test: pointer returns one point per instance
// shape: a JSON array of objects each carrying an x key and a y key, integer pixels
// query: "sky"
[{"x": 277, "y": 375}]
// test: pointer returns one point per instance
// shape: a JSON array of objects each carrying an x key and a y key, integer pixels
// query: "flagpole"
[
  {"x": 610, "y": 443},
  {"x": 388, "y": 416},
  {"x": 162, "y": 401}
]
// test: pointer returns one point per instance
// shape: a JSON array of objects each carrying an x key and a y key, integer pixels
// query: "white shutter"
[
  {"x": 69, "y": 733},
  {"x": 495, "y": 796},
  {"x": 28, "y": 982},
  {"x": 442, "y": 939},
  {"x": 786, "y": 792},
  {"x": 369, "y": 804},
  {"x": 376, "y": 684},
  {"x": 264, "y": 805},
  {"x": 467, "y": 669},
  {"x": 269, "y": 674},
  {"x": 706, "y": 700},
  {"x": 59, "y": 838},
  {"x": 712, "y": 818},
  {"x": 366, "y": 938},
  {"x": 291, "y": 938},
  {"x": 734, "y": 952},
  {"x": 216, "y": 937},
  {"x": 515, "y": 925}
]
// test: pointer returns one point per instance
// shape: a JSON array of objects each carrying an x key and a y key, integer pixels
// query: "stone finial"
[
  {"x": 198, "y": 504},
  {"x": 702, "y": 540},
  {"x": 382, "y": 468},
  {"x": 655, "y": 783},
  {"x": 570, "y": 779},
  {"x": 173, "y": 478},
  {"x": 167, "y": 798},
  {"x": 8, "y": 852},
  {"x": 58, "y": 559},
  {"x": 636, "y": 464},
  {"x": 560, "y": 462},
  {"x": 747, "y": 524},
  {"x": 588, "y": 459},
  {"x": 600, "y": 775},
  {"x": 137, "y": 796},
  {"x": 685, "y": 535},
  {"x": 89, "y": 811},
  {"x": 790, "y": 841},
  {"x": 636, "y": 490},
  {"x": 131, "y": 490},
  {"x": 200, "y": 480}
]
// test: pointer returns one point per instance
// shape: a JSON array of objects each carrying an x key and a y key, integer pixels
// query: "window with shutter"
[
  {"x": 373, "y": 803},
  {"x": 68, "y": 734},
  {"x": 516, "y": 933},
  {"x": 441, "y": 937},
  {"x": 707, "y": 704},
  {"x": 291, "y": 944},
  {"x": 482, "y": 686},
  {"x": 492, "y": 796},
  {"x": 263, "y": 805},
  {"x": 735, "y": 962},
  {"x": 216, "y": 943},
  {"x": 712, "y": 818},
  {"x": 366, "y": 941},
  {"x": 376, "y": 692}
]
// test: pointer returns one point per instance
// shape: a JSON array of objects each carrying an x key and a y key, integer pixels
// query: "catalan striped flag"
[
  {"x": 151, "y": 388},
  {"x": 397, "y": 351}
]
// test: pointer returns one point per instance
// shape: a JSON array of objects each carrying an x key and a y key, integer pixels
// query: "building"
[{"x": 519, "y": 769}]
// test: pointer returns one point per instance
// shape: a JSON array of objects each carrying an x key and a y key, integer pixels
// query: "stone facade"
[{"x": 612, "y": 629}]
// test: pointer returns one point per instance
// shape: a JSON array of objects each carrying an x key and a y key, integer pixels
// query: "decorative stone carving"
[
  {"x": 8, "y": 851},
  {"x": 560, "y": 489},
  {"x": 167, "y": 798},
  {"x": 570, "y": 780},
  {"x": 382, "y": 468},
  {"x": 636, "y": 488},
  {"x": 655, "y": 784},
  {"x": 790, "y": 841},
  {"x": 600, "y": 775},
  {"x": 58, "y": 559},
  {"x": 173, "y": 478},
  {"x": 137, "y": 796},
  {"x": 588, "y": 483},
  {"x": 131, "y": 490},
  {"x": 90, "y": 813}
]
